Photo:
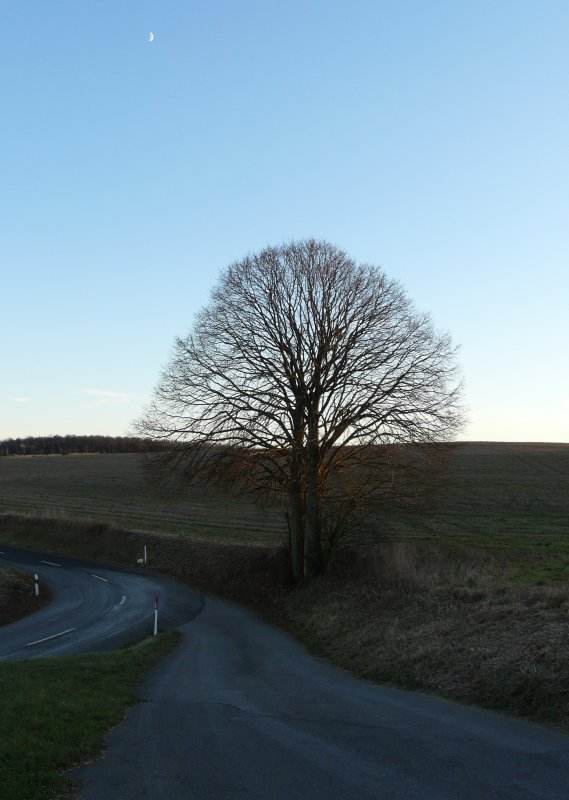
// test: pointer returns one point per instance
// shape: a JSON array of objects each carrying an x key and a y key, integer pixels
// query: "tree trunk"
[
  {"x": 296, "y": 529},
  {"x": 296, "y": 506},
  {"x": 313, "y": 535}
]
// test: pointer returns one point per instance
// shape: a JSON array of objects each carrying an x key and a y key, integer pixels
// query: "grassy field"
[
  {"x": 509, "y": 498},
  {"x": 498, "y": 495},
  {"x": 113, "y": 488},
  {"x": 497, "y": 492},
  {"x": 55, "y": 713}
]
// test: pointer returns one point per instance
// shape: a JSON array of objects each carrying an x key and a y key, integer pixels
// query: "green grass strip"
[{"x": 54, "y": 713}]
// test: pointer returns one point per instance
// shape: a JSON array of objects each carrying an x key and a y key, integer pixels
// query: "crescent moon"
[{"x": 150, "y": 37}]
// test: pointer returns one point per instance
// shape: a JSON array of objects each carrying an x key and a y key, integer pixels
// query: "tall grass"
[
  {"x": 17, "y": 596},
  {"x": 448, "y": 621}
]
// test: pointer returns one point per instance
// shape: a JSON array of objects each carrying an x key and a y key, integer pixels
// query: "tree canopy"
[{"x": 299, "y": 373}]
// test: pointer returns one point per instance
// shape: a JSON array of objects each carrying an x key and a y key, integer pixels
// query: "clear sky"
[{"x": 430, "y": 137}]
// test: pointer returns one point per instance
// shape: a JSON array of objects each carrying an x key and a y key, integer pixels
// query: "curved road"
[
  {"x": 94, "y": 608},
  {"x": 240, "y": 710}
]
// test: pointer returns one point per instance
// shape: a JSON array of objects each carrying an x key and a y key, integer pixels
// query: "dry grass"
[
  {"x": 446, "y": 621},
  {"x": 17, "y": 596}
]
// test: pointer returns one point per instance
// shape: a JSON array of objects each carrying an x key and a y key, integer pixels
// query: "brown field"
[
  {"x": 498, "y": 490},
  {"x": 498, "y": 495},
  {"x": 113, "y": 488},
  {"x": 509, "y": 498}
]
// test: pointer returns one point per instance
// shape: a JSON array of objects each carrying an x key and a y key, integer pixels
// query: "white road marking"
[
  {"x": 51, "y": 563},
  {"x": 55, "y": 635},
  {"x": 99, "y": 577},
  {"x": 123, "y": 599},
  {"x": 2, "y": 553}
]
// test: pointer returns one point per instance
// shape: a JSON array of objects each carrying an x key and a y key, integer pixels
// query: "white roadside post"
[
  {"x": 145, "y": 555},
  {"x": 37, "y": 585},
  {"x": 155, "y": 616}
]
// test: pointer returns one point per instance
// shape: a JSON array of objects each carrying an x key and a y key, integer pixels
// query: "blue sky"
[{"x": 430, "y": 138}]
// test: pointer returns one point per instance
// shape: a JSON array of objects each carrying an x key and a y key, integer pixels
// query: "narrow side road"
[
  {"x": 93, "y": 608},
  {"x": 240, "y": 710}
]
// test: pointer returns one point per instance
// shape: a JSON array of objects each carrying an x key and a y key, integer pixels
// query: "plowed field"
[
  {"x": 498, "y": 494},
  {"x": 112, "y": 488}
]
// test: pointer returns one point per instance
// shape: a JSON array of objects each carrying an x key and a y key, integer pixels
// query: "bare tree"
[{"x": 297, "y": 376}]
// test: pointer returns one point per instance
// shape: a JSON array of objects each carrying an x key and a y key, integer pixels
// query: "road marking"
[
  {"x": 99, "y": 577},
  {"x": 55, "y": 635},
  {"x": 2, "y": 553},
  {"x": 123, "y": 599},
  {"x": 51, "y": 563}
]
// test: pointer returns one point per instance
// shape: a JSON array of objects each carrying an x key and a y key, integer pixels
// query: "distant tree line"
[{"x": 65, "y": 445}]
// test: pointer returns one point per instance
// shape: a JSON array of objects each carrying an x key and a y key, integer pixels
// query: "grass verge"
[
  {"x": 17, "y": 596},
  {"x": 445, "y": 620},
  {"x": 55, "y": 713}
]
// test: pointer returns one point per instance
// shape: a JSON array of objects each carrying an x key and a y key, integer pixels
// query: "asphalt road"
[
  {"x": 241, "y": 710},
  {"x": 94, "y": 608}
]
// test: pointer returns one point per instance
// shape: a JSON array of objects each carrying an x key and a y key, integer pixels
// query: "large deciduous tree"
[{"x": 300, "y": 374}]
